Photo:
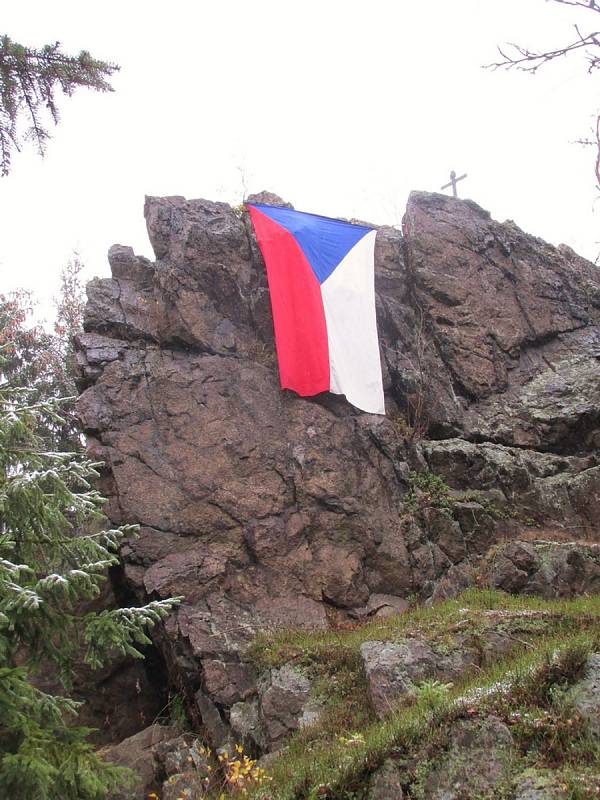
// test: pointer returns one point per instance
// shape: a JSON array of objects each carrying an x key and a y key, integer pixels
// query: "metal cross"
[{"x": 453, "y": 181}]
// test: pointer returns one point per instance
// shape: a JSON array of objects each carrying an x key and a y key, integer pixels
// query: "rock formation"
[{"x": 264, "y": 509}]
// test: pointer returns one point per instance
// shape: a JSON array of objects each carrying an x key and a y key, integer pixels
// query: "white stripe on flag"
[{"x": 349, "y": 304}]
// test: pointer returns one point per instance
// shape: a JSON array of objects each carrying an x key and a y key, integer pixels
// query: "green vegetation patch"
[
  {"x": 427, "y": 490},
  {"x": 335, "y": 757},
  {"x": 475, "y": 609}
]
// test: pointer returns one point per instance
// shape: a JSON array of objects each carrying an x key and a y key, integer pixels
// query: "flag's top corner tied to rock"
[{"x": 321, "y": 282}]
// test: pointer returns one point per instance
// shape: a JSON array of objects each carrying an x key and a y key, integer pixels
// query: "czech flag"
[{"x": 321, "y": 282}]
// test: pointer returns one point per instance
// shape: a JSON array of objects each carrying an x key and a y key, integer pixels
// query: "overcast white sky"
[{"x": 341, "y": 107}]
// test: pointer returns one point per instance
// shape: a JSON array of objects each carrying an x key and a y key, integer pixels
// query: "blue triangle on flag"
[{"x": 324, "y": 241}]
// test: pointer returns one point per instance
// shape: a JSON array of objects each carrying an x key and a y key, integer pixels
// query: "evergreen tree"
[
  {"x": 30, "y": 79},
  {"x": 55, "y": 549},
  {"x": 70, "y": 305},
  {"x": 43, "y": 361},
  {"x": 26, "y": 348},
  {"x": 62, "y": 368}
]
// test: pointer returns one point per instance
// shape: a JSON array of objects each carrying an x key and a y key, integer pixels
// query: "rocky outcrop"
[
  {"x": 586, "y": 694},
  {"x": 264, "y": 509},
  {"x": 549, "y": 569},
  {"x": 385, "y": 783},
  {"x": 381, "y": 605},
  {"x": 514, "y": 322},
  {"x": 394, "y": 669},
  {"x": 285, "y": 704},
  {"x": 540, "y": 785},
  {"x": 162, "y": 759},
  {"x": 479, "y": 758},
  {"x": 531, "y": 487}
]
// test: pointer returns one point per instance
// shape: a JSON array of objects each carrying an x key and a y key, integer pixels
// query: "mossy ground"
[{"x": 334, "y": 758}]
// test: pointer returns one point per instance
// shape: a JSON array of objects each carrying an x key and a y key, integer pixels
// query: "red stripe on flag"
[{"x": 298, "y": 315}]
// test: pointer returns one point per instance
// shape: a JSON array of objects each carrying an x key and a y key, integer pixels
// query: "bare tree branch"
[
  {"x": 590, "y": 5},
  {"x": 530, "y": 60},
  {"x": 522, "y": 58}
]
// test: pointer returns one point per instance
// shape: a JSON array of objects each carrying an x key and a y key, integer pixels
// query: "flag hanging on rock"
[{"x": 321, "y": 282}]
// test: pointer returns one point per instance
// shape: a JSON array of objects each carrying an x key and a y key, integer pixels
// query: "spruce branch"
[
  {"x": 123, "y": 630},
  {"x": 29, "y": 82}
]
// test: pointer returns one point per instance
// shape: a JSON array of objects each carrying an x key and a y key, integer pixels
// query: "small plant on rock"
[
  {"x": 428, "y": 491},
  {"x": 432, "y": 693},
  {"x": 240, "y": 772}
]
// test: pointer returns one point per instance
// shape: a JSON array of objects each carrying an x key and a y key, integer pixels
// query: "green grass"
[
  {"x": 334, "y": 758},
  {"x": 335, "y": 768},
  {"x": 273, "y": 649}
]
